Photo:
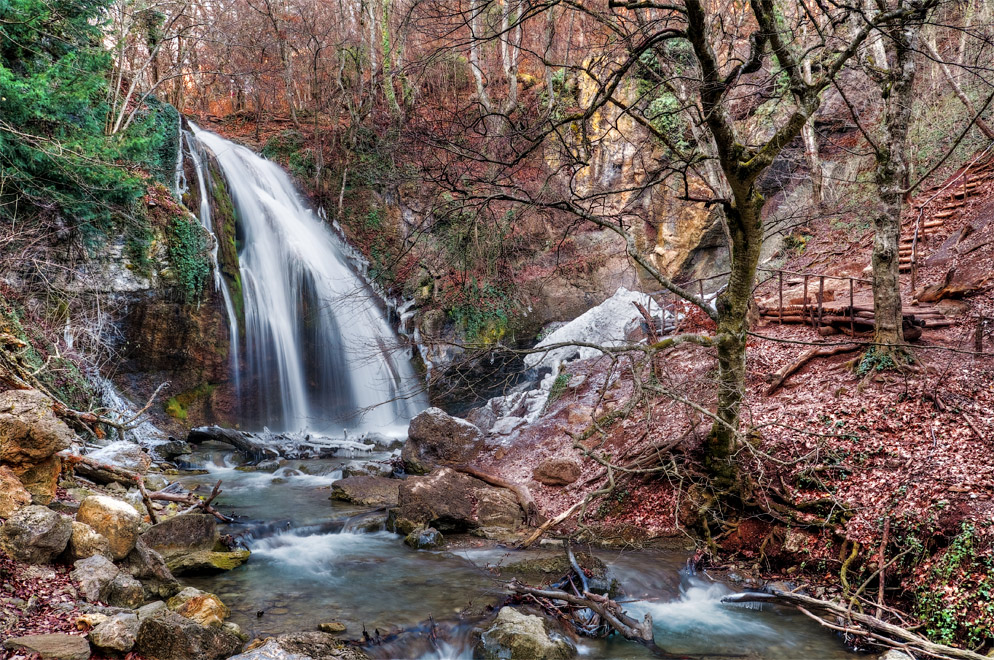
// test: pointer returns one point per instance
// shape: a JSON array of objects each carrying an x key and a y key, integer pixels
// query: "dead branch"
[
  {"x": 109, "y": 472},
  {"x": 194, "y": 501},
  {"x": 804, "y": 358}
]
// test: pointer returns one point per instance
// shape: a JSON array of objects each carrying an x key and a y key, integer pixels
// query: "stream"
[{"x": 316, "y": 560}]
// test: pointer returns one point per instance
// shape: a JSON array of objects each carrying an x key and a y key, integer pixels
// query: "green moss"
[
  {"x": 177, "y": 406},
  {"x": 225, "y": 228},
  {"x": 188, "y": 256}
]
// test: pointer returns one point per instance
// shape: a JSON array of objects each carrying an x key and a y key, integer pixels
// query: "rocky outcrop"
[
  {"x": 35, "y": 534},
  {"x": 557, "y": 471},
  {"x": 436, "y": 438},
  {"x": 165, "y": 635},
  {"x": 86, "y": 542},
  {"x": 454, "y": 502},
  {"x": 115, "y": 635},
  {"x": 366, "y": 491},
  {"x": 517, "y": 636},
  {"x": 30, "y": 435},
  {"x": 114, "y": 519},
  {"x": 56, "y": 646},
  {"x": 196, "y": 605},
  {"x": 13, "y": 495}
]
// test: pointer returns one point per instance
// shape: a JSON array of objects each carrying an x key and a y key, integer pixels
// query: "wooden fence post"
[{"x": 780, "y": 273}]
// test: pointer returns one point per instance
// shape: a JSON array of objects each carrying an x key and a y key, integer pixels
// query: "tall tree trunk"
[
  {"x": 388, "y": 90},
  {"x": 984, "y": 127}
]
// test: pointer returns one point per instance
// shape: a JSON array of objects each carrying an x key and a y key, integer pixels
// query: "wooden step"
[
  {"x": 931, "y": 224},
  {"x": 945, "y": 214}
]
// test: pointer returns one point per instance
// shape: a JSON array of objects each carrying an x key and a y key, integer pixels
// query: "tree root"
[{"x": 533, "y": 516}]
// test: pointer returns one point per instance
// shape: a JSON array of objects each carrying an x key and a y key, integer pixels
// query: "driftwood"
[
  {"x": 194, "y": 501},
  {"x": 838, "y": 617},
  {"x": 240, "y": 440},
  {"x": 533, "y": 516},
  {"x": 804, "y": 358},
  {"x": 115, "y": 473}
]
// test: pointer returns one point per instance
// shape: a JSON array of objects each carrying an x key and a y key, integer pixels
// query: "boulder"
[
  {"x": 113, "y": 519},
  {"x": 125, "y": 454},
  {"x": 181, "y": 535},
  {"x": 332, "y": 627},
  {"x": 517, "y": 636},
  {"x": 13, "y": 495},
  {"x": 270, "y": 650},
  {"x": 125, "y": 591},
  {"x": 435, "y": 438},
  {"x": 94, "y": 576},
  {"x": 173, "y": 448},
  {"x": 42, "y": 479},
  {"x": 424, "y": 538},
  {"x": 557, "y": 471},
  {"x": 30, "y": 432},
  {"x": 196, "y": 605},
  {"x": 115, "y": 634},
  {"x": 366, "y": 491},
  {"x": 451, "y": 501},
  {"x": 56, "y": 646},
  {"x": 35, "y": 534},
  {"x": 85, "y": 542},
  {"x": 150, "y": 568},
  {"x": 165, "y": 635},
  {"x": 207, "y": 562}
]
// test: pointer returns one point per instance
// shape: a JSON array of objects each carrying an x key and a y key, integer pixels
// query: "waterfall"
[{"x": 316, "y": 352}]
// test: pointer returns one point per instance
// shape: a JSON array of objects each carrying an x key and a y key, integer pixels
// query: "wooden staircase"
[{"x": 948, "y": 202}]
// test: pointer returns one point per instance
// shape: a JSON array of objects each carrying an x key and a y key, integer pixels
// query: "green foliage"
[
  {"x": 56, "y": 160},
  {"x": 483, "y": 313},
  {"x": 188, "y": 256},
  {"x": 874, "y": 360},
  {"x": 559, "y": 387},
  {"x": 177, "y": 406},
  {"x": 290, "y": 149},
  {"x": 796, "y": 243}
]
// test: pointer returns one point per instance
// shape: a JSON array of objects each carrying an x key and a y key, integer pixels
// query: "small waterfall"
[{"x": 317, "y": 349}]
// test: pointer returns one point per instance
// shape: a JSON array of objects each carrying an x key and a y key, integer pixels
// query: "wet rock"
[
  {"x": 13, "y": 495},
  {"x": 85, "y": 542},
  {"x": 368, "y": 469},
  {"x": 165, "y": 635},
  {"x": 424, "y": 538},
  {"x": 517, "y": 636},
  {"x": 483, "y": 418},
  {"x": 207, "y": 562},
  {"x": 35, "y": 534},
  {"x": 319, "y": 645},
  {"x": 435, "y": 438},
  {"x": 270, "y": 650},
  {"x": 366, "y": 491},
  {"x": 204, "y": 608},
  {"x": 51, "y": 647},
  {"x": 173, "y": 448},
  {"x": 332, "y": 627},
  {"x": 94, "y": 576},
  {"x": 181, "y": 535},
  {"x": 150, "y": 568},
  {"x": 557, "y": 471},
  {"x": 30, "y": 432},
  {"x": 451, "y": 501},
  {"x": 115, "y": 520},
  {"x": 115, "y": 634}
]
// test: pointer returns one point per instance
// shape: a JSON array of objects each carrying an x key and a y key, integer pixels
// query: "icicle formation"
[{"x": 316, "y": 350}]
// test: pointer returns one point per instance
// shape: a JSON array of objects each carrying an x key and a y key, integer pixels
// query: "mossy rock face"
[{"x": 206, "y": 562}]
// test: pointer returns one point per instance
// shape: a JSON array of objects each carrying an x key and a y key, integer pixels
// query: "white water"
[{"x": 317, "y": 350}]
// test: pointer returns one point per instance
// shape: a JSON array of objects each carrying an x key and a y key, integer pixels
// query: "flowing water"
[
  {"x": 313, "y": 350},
  {"x": 316, "y": 351}
]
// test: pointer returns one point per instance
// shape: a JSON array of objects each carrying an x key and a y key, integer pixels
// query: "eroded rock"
[
  {"x": 30, "y": 432},
  {"x": 13, "y": 495},
  {"x": 196, "y": 605},
  {"x": 114, "y": 519},
  {"x": 557, "y": 471},
  {"x": 165, "y": 635},
  {"x": 115, "y": 634},
  {"x": 517, "y": 636},
  {"x": 451, "y": 501},
  {"x": 435, "y": 438},
  {"x": 86, "y": 542},
  {"x": 35, "y": 534},
  {"x": 366, "y": 491}
]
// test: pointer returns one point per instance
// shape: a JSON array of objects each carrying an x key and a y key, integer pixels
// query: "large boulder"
[
  {"x": 41, "y": 480},
  {"x": 165, "y": 635},
  {"x": 85, "y": 542},
  {"x": 100, "y": 580},
  {"x": 517, "y": 636},
  {"x": 115, "y": 520},
  {"x": 30, "y": 432},
  {"x": 207, "y": 562},
  {"x": 57, "y": 646},
  {"x": 181, "y": 535},
  {"x": 13, "y": 495},
  {"x": 196, "y": 605},
  {"x": 150, "y": 568},
  {"x": 557, "y": 471},
  {"x": 116, "y": 634},
  {"x": 451, "y": 501},
  {"x": 35, "y": 534},
  {"x": 436, "y": 438},
  {"x": 366, "y": 491}
]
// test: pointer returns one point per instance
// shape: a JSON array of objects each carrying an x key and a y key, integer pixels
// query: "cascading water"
[{"x": 316, "y": 348}]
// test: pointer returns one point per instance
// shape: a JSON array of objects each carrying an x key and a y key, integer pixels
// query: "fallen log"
[
  {"x": 240, "y": 440},
  {"x": 804, "y": 358},
  {"x": 881, "y": 632},
  {"x": 115, "y": 473},
  {"x": 533, "y": 516}
]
